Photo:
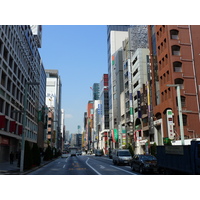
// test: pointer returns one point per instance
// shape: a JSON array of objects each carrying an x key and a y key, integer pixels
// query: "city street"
[{"x": 83, "y": 165}]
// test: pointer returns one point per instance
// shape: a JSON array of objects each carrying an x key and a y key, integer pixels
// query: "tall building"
[
  {"x": 103, "y": 112},
  {"x": 118, "y": 88},
  {"x": 175, "y": 60},
  {"x": 96, "y": 123},
  {"x": 42, "y": 114},
  {"x": 115, "y": 35},
  {"x": 20, "y": 69},
  {"x": 95, "y": 90},
  {"x": 89, "y": 124},
  {"x": 53, "y": 102},
  {"x": 139, "y": 80},
  {"x": 62, "y": 128},
  {"x": 137, "y": 39}
]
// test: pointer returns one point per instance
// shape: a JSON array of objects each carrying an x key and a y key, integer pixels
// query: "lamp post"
[
  {"x": 179, "y": 110},
  {"x": 24, "y": 124}
]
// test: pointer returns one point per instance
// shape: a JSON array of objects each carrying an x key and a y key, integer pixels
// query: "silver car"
[{"x": 121, "y": 156}]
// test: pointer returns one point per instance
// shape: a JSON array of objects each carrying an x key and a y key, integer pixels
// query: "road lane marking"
[
  {"x": 66, "y": 159},
  {"x": 92, "y": 167},
  {"x": 124, "y": 170},
  {"x": 63, "y": 166},
  {"x": 102, "y": 167}
]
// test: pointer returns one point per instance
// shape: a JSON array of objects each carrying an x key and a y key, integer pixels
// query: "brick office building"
[{"x": 175, "y": 60}]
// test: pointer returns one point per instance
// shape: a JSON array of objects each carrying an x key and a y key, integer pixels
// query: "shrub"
[
  {"x": 130, "y": 148},
  {"x": 48, "y": 155}
]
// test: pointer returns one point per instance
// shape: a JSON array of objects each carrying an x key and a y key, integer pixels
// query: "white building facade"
[{"x": 53, "y": 102}]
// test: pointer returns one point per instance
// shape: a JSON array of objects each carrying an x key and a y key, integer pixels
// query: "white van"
[{"x": 121, "y": 156}]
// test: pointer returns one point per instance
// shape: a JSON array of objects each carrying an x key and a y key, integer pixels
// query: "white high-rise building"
[
  {"x": 116, "y": 37},
  {"x": 53, "y": 102}
]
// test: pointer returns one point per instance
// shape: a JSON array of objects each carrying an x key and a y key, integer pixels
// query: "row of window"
[
  {"x": 165, "y": 95},
  {"x": 13, "y": 70}
]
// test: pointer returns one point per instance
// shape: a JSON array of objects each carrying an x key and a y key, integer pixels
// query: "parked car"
[
  {"x": 121, "y": 156},
  {"x": 73, "y": 152},
  {"x": 79, "y": 153},
  {"x": 98, "y": 152},
  {"x": 64, "y": 155},
  {"x": 83, "y": 153},
  {"x": 144, "y": 163}
]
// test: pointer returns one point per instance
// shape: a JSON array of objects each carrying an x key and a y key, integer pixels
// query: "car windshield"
[
  {"x": 124, "y": 153},
  {"x": 145, "y": 157}
]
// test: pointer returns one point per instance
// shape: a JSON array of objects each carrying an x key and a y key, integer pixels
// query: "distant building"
[
  {"x": 103, "y": 112},
  {"x": 53, "y": 101},
  {"x": 95, "y": 89}
]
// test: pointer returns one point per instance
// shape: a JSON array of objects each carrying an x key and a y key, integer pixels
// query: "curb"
[{"x": 17, "y": 172}]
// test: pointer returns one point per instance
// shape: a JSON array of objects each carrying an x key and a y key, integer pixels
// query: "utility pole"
[{"x": 179, "y": 111}]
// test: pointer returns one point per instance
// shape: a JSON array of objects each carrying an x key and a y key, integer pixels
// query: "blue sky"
[{"x": 80, "y": 55}]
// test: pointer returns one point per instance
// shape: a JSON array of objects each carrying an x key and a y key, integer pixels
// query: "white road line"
[
  {"x": 63, "y": 166},
  {"x": 102, "y": 167},
  {"x": 92, "y": 167},
  {"x": 123, "y": 170},
  {"x": 66, "y": 159}
]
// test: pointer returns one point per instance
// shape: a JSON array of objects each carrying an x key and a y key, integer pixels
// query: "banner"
[{"x": 116, "y": 135}]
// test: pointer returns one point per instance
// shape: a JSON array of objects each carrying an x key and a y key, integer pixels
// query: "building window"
[
  {"x": 179, "y": 81},
  {"x": 161, "y": 80},
  {"x": 135, "y": 72},
  {"x": 136, "y": 84},
  {"x": 183, "y": 101},
  {"x": 184, "y": 120},
  {"x": 174, "y": 34},
  {"x": 3, "y": 79},
  {"x": 177, "y": 66},
  {"x": 176, "y": 50},
  {"x": 134, "y": 61}
]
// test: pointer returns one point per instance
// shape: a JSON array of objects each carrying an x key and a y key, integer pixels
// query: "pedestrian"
[{"x": 11, "y": 157}]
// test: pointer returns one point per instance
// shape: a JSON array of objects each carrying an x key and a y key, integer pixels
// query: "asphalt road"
[{"x": 83, "y": 165}]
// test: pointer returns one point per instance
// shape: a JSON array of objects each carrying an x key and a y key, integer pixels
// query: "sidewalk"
[{"x": 11, "y": 169}]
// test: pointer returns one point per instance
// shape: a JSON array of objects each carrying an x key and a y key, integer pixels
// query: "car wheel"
[
  {"x": 141, "y": 170},
  {"x": 133, "y": 169}
]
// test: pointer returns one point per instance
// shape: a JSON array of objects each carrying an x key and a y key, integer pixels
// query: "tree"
[
  {"x": 48, "y": 155},
  {"x": 130, "y": 148}
]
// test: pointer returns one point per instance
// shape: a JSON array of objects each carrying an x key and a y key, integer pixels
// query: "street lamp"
[
  {"x": 179, "y": 110},
  {"x": 24, "y": 124}
]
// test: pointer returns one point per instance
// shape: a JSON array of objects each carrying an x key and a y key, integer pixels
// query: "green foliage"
[
  {"x": 35, "y": 155},
  {"x": 167, "y": 141},
  {"x": 130, "y": 148},
  {"x": 27, "y": 156}
]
